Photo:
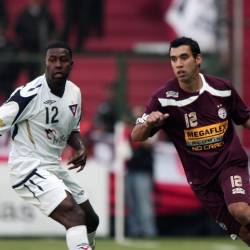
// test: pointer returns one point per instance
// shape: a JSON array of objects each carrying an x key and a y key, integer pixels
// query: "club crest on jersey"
[
  {"x": 73, "y": 108},
  {"x": 172, "y": 94},
  {"x": 222, "y": 113}
]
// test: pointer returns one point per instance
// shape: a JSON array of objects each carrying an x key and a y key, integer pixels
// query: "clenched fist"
[{"x": 156, "y": 118}]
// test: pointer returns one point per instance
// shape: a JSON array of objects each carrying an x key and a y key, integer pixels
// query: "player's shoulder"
[
  {"x": 33, "y": 87},
  {"x": 169, "y": 89},
  {"x": 28, "y": 91},
  {"x": 72, "y": 87},
  {"x": 217, "y": 82}
]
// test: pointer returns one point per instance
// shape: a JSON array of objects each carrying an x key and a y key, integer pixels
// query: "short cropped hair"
[
  {"x": 194, "y": 46},
  {"x": 59, "y": 44}
]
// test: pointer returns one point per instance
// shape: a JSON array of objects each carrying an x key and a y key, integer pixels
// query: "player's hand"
[
  {"x": 156, "y": 118},
  {"x": 78, "y": 160}
]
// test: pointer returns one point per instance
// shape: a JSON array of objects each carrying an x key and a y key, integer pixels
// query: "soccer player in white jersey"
[{"x": 44, "y": 117}]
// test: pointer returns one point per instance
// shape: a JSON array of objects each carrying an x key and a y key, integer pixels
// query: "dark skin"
[
  {"x": 58, "y": 64},
  {"x": 80, "y": 157}
]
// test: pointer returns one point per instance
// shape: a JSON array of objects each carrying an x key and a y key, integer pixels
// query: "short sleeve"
[
  {"x": 77, "y": 120},
  {"x": 17, "y": 108},
  {"x": 152, "y": 105},
  {"x": 240, "y": 112}
]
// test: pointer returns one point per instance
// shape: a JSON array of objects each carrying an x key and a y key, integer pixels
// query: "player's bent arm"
[
  {"x": 141, "y": 132},
  {"x": 144, "y": 125},
  {"x": 75, "y": 141},
  {"x": 80, "y": 157}
]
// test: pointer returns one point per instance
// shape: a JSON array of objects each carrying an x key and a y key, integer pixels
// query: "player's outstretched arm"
[
  {"x": 79, "y": 158},
  {"x": 142, "y": 131}
]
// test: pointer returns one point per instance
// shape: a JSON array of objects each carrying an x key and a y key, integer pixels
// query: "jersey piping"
[{"x": 206, "y": 87}]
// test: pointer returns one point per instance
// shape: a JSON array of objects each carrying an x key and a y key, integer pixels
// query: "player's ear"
[{"x": 198, "y": 59}]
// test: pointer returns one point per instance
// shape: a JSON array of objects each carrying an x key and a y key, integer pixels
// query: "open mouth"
[
  {"x": 58, "y": 74},
  {"x": 181, "y": 73}
]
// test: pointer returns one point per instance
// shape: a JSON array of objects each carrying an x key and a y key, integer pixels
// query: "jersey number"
[
  {"x": 191, "y": 120},
  {"x": 51, "y": 115},
  {"x": 236, "y": 181}
]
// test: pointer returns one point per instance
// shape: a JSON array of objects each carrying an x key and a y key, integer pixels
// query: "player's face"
[
  {"x": 58, "y": 64},
  {"x": 183, "y": 63}
]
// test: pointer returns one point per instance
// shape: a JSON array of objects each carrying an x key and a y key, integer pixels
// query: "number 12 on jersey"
[
  {"x": 51, "y": 115},
  {"x": 191, "y": 120}
]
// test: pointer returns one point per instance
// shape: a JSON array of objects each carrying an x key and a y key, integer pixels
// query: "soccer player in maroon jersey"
[{"x": 197, "y": 112}]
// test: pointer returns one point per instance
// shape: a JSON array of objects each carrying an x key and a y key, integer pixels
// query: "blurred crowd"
[{"x": 34, "y": 26}]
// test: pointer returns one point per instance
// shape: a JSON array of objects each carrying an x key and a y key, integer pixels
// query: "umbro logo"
[{"x": 49, "y": 102}]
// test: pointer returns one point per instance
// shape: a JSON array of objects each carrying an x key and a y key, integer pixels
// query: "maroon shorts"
[{"x": 232, "y": 185}]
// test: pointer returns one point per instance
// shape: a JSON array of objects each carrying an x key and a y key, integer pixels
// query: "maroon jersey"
[{"x": 201, "y": 126}]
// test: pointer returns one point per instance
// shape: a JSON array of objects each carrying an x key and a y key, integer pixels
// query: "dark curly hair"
[{"x": 194, "y": 46}]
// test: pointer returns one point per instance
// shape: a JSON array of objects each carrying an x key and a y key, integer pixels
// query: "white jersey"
[{"x": 40, "y": 123}]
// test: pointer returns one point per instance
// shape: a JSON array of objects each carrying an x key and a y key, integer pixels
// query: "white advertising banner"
[
  {"x": 17, "y": 218},
  {"x": 196, "y": 19}
]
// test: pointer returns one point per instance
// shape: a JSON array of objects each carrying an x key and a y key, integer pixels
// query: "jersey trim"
[
  {"x": 206, "y": 87},
  {"x": 172, "y": 102},
  {"x": 29, "y": 133},
  {"x": 34, "y": 172},
  {"x": 21, "y": 101}
]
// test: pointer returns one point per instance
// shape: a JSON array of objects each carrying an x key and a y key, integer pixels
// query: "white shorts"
[{"x": 46, "y": 187}]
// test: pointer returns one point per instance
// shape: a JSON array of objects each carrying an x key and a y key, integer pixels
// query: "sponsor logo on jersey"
[
  {"x": 2, "y": 124},
  {"x": 172, "y": 94},
  {"x": 73, "y": 108},
  {"x": 49, "y": 102},
  {"x": 51, "y": 133},
  {"x": 206, "y": 137},
  {"x": 54, "y": 138},
  {"x": 238, "y": 191},
  {"x": 222, "y": 113}
]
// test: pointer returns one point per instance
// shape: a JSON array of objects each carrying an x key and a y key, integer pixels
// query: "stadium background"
[{"x": 133, "y": 52}]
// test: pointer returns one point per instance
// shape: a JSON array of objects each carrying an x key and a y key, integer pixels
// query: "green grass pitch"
[{"x": 109, "y": 244}]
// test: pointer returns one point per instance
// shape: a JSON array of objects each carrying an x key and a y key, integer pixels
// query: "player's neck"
[
  {"x": 192, "y": 85},
  {"x": 56, "y": 88}
]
